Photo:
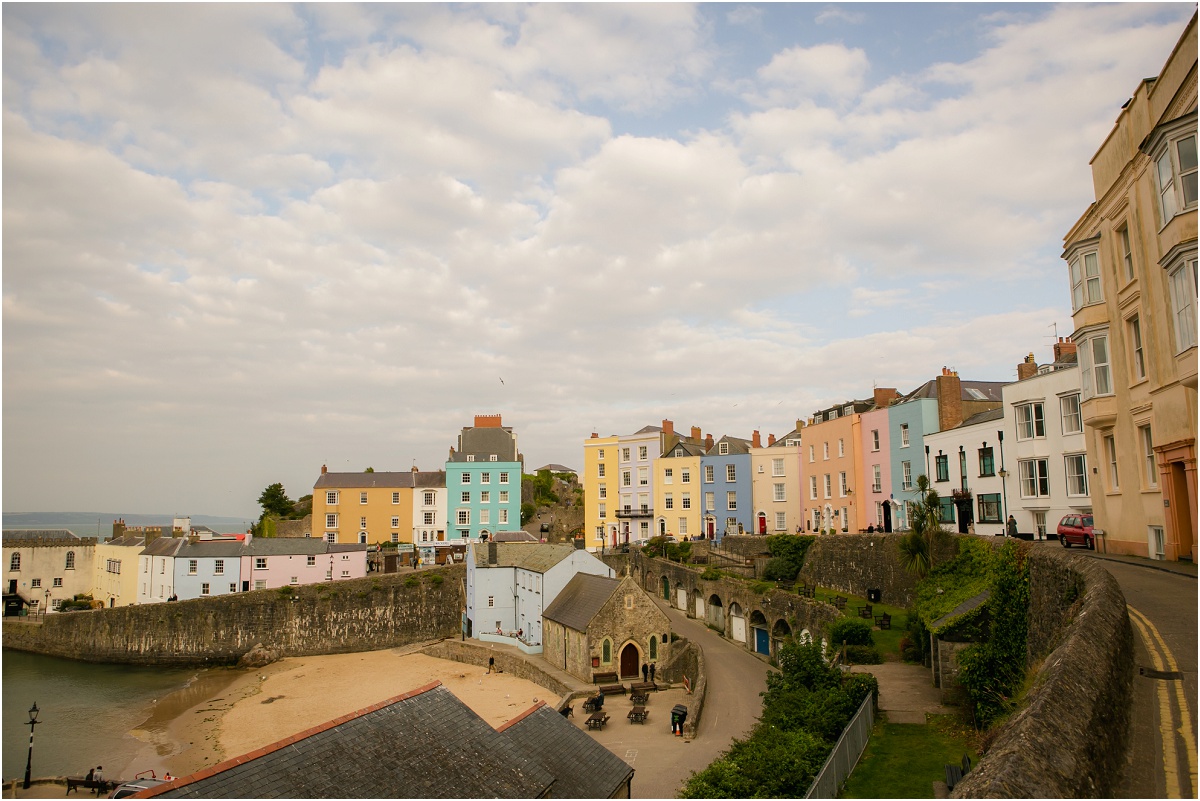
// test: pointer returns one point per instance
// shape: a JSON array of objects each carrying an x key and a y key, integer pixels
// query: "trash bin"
[
  {"x": 873, "y": 596},
  {"x": 678, "y": 716}
]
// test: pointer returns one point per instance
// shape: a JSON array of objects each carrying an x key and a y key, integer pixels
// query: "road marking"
[{"x": 1164, "y": 661}]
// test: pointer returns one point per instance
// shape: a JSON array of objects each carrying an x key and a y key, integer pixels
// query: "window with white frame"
[
  {"x": 876, "y": 479},
  {"x": 192, "y": 566},
  {"x": 503, "y": 517},
  {"x": 1182, "y": 281},
  {"x": 1085, "y": 279},
  {"x": 626, "y": 478},
  {"x": 1149, "y": 463},
  {"x": 841, "y": 447},
  {"x": 668, "y": 475},
  {"x": 1174, "y": 155},
  {"x": 668, "y": 501},
  {"x": 643, "y": 476},
  {"x": 624, "y": 454},
  {"x": 464, "y": 517},
  {"x": 828, "y": 485},
  {"x": 1076, "y": 464},
  {"x": 780, "y": 492},
  {"x": 1072, "y": 420},
  {"x": 310, "y": 561},
  {"x": 1110, "y": 456},
  {"x": 493, "y": 458},
  {"x": 1094, "y": 372},
  {"x": 1137, "y": 359},
  {"x": 776, "y": 467},
  {"x": 1031, "y": 421},
  {"x": 395, "y": 497},
  {"x": 331, "y": 536},
  {"x": 731, "y": 500},
  {"x": 260, "y": 563},
  {"x": 485, "y": 478},
  {"x": 812, "y": 454},
  {"x": 395, "y": 522},
  {"x": 685, "y": 475},
  {"x": 362, "y": 522},
  {"x": 362, "y": 498},
  {"x": 781, "y": 521},
  {"x": 1125, "y": 245},
  {"x": 600, "y": 453},
  {"x": 723, "y": 449},
  {"x": 485, "y": 517},
  {"x": 485, "y": 497},
  {"x": 218, "y": 567},
  {"x": 470, "y": 457},
  {"x": 710, "y": 500},
  {"x": 1035, "y": 478},
  {"x": 708, "y": 474},
  {"x": 682, "y": 528},
  {"x": 504, "y": 477},
  {"x": 331, "y": 520},
  {"x": 204, "y": 590},
  {"x": 842, "y": 484},
  {"x": 466, "y": 478},
  {"x": 875, "y": 439},
  {"x": 906, "y": 475},
  {"x": 331, "y": 497},
  {"x": 812, "y": 487},
  {"x": 825, "y": 451},
  {"x": 602, "y": 511},
  {"x": 904, "y": 435},
  {"x": 878, "y": 514},
  {"x": 685, "y": 500},
  {"x": 599, "y": 471},
  {"x": 730, "y": 473},
  {"x": 641, "y": 453},
  {"x": 428, "y": 518}
]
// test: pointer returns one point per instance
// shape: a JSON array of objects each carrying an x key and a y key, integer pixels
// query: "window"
[
  {"x": 192, "y": 565},
  {"x": 232, "y": 587},
  {"x": 653, "y": 647},
  {"x": 641, "y": 453},
  {"x": 825, "y": 449},
  {"x": 485, "y": 478},
  {"x": 1077, "y": 474},
  {"x": 428, "y": 518},
  {"x": 906, "y": 475},
  {"x": 941, "y": 464},
  {"x": 682, "y": 528},
  {"x": 464, "y": 517},
  {"x": 1035, "y": 478},
  {"x": 485, "y": 516},
  {"x": 828, "y": 486},
  {"x": 1183, "y": 304},
  {"x": 464, "y": 497},
  {"x": 1072, "y": 421},
  {"x": 1137, "y": 359},
  {"x": 710, "y": 501},
  {"x": 876, "y": 479},
  {"x": 331, "y": 497},
  {"x": 503, "y": 516},
  {"x": 395, "y": 497},
  {"x": 811, "y": 454},
  {"x": 491, "y": 601},
  {"x": 362, "y": 522},
  {"x": 989, "y": 508},
  {"x": 331, "y": 520},
  {"x": 626, "y": 478},
  {"x": 625, "y": 454},
  {"x": 466, "y": 478},
  {"x": 777, "y": 467},
  {"x": 668, "y": 501},
  {"x": 606, "y": 651},
  {"x": 599, "y": 471},
  {"x": 395, "y": 522},
  {"x": 470, "y": 457},
  {"x": 331, "y": 536},
  {"x": 485, "y": 497},
  {"x": 730, "y": 473},
  {"x": 781, "y": 521},
  {"x": 1031, "y": 422},
  {"x": 395, "y": 536},
  {"x": 218, "y": 567},
  {"x": 731, "y": 500},
  {"x": 842, "y": 484},
  {"x": 841, "y": 447},
  {"x": 430, "y": 498},
  {"x": 204, "y": 588},
  {"x": 812, "y": 487},
  {"x": 723, "y": 449},
  {"x": 504, "y": 477},
  {"x": 1126, "y": 247},
  {"x": 780, "y": 492},
  {"x": 1085, "y": 280},
  {"x": 685, "y": 501},
  {"x": 493, "y": 458},
  {"x": 875, "y": 439},
  {"x": 946, "y": 510},
  {"x": 878, "y": 513},
  {"x": 600, "y": 453},
  {"x": 1039, "y": 524},
  {"x": 310, "y": 561},
  {"x": 1093, "y": 367},
  {"x": 643, "y": 477},
  {"x": 260, "y": 563},
  {"x": 685, "y": 476},
  {"x": 503, "y": 496},
  {"x": 668, "y": 475},
  {"x": 35, "y": 583},
  {"x": 987, "y": 462},
  {"x": 708, "y": 473},
  {"x": 1148, "y": 460},
  {"x": 70, "y": 565},
  {"x": 1176, "y": 173}
]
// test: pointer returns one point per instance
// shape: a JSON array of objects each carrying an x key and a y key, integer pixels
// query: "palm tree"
[{"x": 925, "y": 528}]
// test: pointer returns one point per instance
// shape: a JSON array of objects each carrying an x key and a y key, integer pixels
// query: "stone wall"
[
  {"x": 1070, "y": 737},
  {"x": 687, "y": 660},
  {"x": 345, "y": 616},
  {"x": 473, "y": 652},
  {"x": 744, "y": 545},
  {"x": 837, "y": 562}
]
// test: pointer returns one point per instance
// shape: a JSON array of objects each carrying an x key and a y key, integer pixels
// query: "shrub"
[
  {"x": 862, "y": 655},
  {"x": 710, "y": 574},
  {"x": 436, "y": 579},
  {"x": 780, "y": 568},
  {"x": 411, "y": 582},
  {"x": 285, "y": 591},
  {"x": 761, "y": 587},
  {"x": 851, "y": 631}
]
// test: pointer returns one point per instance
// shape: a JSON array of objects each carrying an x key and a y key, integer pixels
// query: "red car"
[{"x": 1076, "y": 530}]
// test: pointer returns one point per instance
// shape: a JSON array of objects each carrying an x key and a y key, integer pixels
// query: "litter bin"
[
  {"x": 873, "y": 596},
  {"x": 678, "y": 716}
]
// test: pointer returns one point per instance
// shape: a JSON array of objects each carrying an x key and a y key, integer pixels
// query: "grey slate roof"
[
  {"x": 983, "y": 417},
  {"x": 520, "y": 535},
  {"x": 206, "y": 548},
  {"x": 483, "y": 442},
  {"x": 271, "y": 546},
  {"x": 169, "y": 546},
  {"x": 538, "y": 557},
  {"x": 127, "y": 541},
  {"x": 430, "y": 479},
  {"x": 736, "y": 445},
  {"x": 795, "y": 433},
  {"x": 38, "y": 534},
  {"x": 990, "y": 390},
  {"x": 582, "y": 768},
  {"x": 647, "y": 430},
  {"x": 580, "y": 600},
  {"x": 690, "y": 448},
  {"x": 368, "y": 755},
  {"x": 556, "y": 468},
  {"x": 398, "y": 480}
]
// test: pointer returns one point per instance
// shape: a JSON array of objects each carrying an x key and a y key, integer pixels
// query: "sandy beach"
[{"x": 230, "y": 712}]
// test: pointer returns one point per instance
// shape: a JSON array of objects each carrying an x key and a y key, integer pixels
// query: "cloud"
[
  {"x": 825, "y": 70},
  {"x": 835, "y": 14}
]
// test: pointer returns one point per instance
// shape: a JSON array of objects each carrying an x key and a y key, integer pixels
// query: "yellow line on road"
[{"x": 1162, "y": 658}]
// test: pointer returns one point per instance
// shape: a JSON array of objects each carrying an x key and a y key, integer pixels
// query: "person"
[
  {"x": 98, "y": 776},
  {"x": 651, "y": 671},
  {"x": 645, "y": 671},
  {"x": 491, "y": 664},
  {"x": 91, "y": 775},
  {"x": 520, "y": 633},
  {"x": 167, "y": 777},
  {"x": 1012, "y": 526}
]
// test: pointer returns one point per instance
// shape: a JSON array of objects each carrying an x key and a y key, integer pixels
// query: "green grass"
[
  {"x": 903, "y": 760},
  {"x": 886, "y": 642}
]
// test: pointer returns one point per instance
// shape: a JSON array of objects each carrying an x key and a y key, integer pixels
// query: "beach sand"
[{"x": 230, "y": 712}]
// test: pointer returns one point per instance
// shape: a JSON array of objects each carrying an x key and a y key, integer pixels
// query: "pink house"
[
  {"x": 268, "y": 563},
  {"x": 876, "y": 479}
]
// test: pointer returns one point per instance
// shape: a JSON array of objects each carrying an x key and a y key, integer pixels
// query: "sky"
[{"x": 244, "y": 241}]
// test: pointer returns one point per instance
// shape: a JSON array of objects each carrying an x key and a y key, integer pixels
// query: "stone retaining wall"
[
  {"x": 855, "y": 563},
  {"x": 340, "y": 617},
  {"x": 472, "y": 653},
  {"x": 688, "y": 660}
]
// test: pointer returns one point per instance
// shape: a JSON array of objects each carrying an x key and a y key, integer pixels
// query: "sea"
[{"x": 93, "y": 714}]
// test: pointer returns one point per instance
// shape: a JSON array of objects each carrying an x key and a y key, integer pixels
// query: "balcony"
[{"x": 631, "y": 512}]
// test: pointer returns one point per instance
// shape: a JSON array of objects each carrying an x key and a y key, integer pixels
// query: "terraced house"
[
  {"x": 483, "y": 481},
  {"x": 677, "y": 491}
]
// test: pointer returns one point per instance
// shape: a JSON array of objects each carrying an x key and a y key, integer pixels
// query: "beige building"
[
  {"x": 47, "y": 566},
  {"x": 775, "y": 478},
  {"x": 599, "y": 481},
  {"x": 1132, "y": 269},
  {"x": 677, "y": 488},
  {"x": 115, "y": 571}
]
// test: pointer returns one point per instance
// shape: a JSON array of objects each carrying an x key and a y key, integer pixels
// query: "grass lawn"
[
  {"x": 903, "y": 760},
  {"x": 886, "y": 642}
]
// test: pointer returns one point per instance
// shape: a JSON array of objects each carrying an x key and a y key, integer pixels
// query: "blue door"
[{"x": 762, "y": 642}]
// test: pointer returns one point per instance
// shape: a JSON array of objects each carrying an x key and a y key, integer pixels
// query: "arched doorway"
[
  {"x": 680, "y": 596},
  {"x": 698, "y": 604},
  {"x": 631, "y": 663},
  {"x": 711, "y": 526},
  {"x": 761, "y": 637},
  {"x": 662, "y": 526},
  {"x": 737, "y": 623},
  {"x": 714, "y": 614},
  {"x": 762, "y": 522},
  {"x": 666, "y": 588},
  {"x": 780, "y": 632},
  {"x": 887, "y": 517}
]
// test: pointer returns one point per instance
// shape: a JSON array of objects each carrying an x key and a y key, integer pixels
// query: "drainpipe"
[{"x": 1004, "y": 486}]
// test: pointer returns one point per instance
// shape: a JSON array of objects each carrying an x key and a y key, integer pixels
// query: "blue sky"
[{"x": 242, "y": 241}]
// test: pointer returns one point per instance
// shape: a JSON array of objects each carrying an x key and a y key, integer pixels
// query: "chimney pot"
[
  {"x": 324, "y": 469},
  {"x": 595, "y": 435},
  {"x": 708, "y": 442},
  {"x": 770, "y": 440},
  {"x": 756, "y": 439}
]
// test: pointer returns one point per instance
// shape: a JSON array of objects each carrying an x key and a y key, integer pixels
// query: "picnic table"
[
  {"x": 884, "y": 621},
  {"x": 638, "y": 714},
  {"x": 597, "y": 720},
  {"x": 639, "y": 699},
  {"x": 612, "y": 689},
  {"x": 593, "y": 703}
]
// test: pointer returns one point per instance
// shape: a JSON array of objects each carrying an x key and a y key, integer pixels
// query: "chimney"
[
  {"x": 668, "y": 427},
  {"x": 493, "y": 558},
  {"x": 193, "y": 539},
  {"x": 415, "y": 469},
  {"x": 708, "y": 442},
  {"x": 884, "y": 396},
  {"x": 697, "y": 434},
  {"x": 756, "y": 439},
  {"x": 1028, "y": 367},
  {"x": 1064, "y": 347},
  {"x": 770, "y": 440},
  {"x": 488, "y": 421},
  {"x": 595, "y": 435},
  {"x": 800, "y": 424},
  {"x": 949, "y": 398},
  {"x": 324, "y": 469}
]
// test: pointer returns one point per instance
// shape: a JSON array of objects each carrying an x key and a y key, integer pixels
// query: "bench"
[
  {"x": 639, "y": 699},
  {"x": 567, "y": 711},
  {"x": 865, "y": 611},
  {"x": 840, "y": 603},
  {"x": 954, "y": 773},
  {"x": 593, "y": 703},
  {"x": 884, "y": 621},
  {"x": 638, "y": 714},
  {"x": 102, "y": 787},
  {"x": 643, "y": 687},
  {"x": 605, "y": 678},
  {"x": 613, "y": 689}
]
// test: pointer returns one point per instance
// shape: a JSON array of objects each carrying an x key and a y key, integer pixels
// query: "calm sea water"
[{"x": 86, "y": 711}]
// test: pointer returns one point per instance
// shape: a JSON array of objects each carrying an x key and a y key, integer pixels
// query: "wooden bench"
[
  {"x": 954, "y": 773},
  {"x": 102, "y": 787},
  {"x": 593, "y": 703},
  {"x": 864, "y": 611},
  {"x": 643, "y": 687},
  {"x": 605, "y": 678},
  {"x": 884, "y": 621},
  {"x": 613, "y": 689},
  {"x": 840, "y": 603},
  {"x": 639, "y": 699}
]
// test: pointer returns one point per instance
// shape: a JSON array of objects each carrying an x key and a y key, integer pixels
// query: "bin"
[
  {"x": 678, "y": 716},
  {"x": 873, "y": 596}
]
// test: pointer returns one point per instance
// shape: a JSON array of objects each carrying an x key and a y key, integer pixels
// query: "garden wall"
[{"x": 855, "y": 563}]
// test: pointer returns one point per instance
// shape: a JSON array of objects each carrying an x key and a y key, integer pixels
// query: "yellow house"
[
  {"x": 370, "y": 508},
  {"x": 598, "y": 478},
  {"x": 115, "y": 571},
  {"x": 677, "y": 493},
  {"x": 1131, "y": 262}
]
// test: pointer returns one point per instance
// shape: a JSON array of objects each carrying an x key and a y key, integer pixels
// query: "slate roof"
[
  {"x": 483, "y": 442},
  {"x": 580, "y": 600},
  {"x": 647, "y": 430},
  {"x": 554, "y": 467},
  {"x": 430, "y": 479},
  {"x": 207, "y": 548},
  {"x": 582, "y": 768},
  {"x": 989, "y": 389},
  {"x": 272, "y": 546},
  {"x": 169, "y": 546},
  {"x": 736, "y": 445},
  {"x": 38, "y": 534},
  {"x": 519, "y": 535},
  {"x": 983, "y": 417},
  {"x": 795, "y": 433},
  {"x": 690, "y": 448},
  {"x": 538, "y": 557},
  {"x": 127, "y": 541},
  {"x": 398, "y": 480},
  {"x": 345, "y": 547},
  {"x": 361, "y": 755}
]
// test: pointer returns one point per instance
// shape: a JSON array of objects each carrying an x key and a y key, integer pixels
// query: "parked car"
[
  {"x": 138, "y": 784},
  {"x": 1076, "y": 530}
]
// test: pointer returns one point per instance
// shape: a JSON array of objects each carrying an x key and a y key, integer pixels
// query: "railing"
[
  {"x": 629, "y": 511},
  {"x": 846, "y": 753}
]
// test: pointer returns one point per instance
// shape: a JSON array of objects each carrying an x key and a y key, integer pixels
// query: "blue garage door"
[{"x": 762, "y": 642}]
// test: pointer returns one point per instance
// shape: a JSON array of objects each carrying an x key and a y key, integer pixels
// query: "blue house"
[
  {"x": 726, "y": 481},
  {"x": 483, "y": 481}
]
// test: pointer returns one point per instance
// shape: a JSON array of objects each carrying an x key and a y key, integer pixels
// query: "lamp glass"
[{"x": 33, "y": 711}]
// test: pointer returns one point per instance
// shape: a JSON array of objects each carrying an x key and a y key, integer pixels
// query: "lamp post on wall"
[
  {"x": 33, "y": 721},
  {"x": 46, "y": 608},
  {"x": 1003, "y": 483}
]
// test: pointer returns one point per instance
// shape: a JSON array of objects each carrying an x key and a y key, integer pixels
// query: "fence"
[{"x": 846, "y": 753}]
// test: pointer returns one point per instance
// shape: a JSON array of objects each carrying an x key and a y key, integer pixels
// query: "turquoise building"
[{"x": 483, "y": 481}]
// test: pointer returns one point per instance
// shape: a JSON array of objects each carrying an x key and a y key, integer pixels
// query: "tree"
[
  {"x": 274, "y": 501},
  {"x": 925, "y": 529},
  {"x": 369, "y": 470}
]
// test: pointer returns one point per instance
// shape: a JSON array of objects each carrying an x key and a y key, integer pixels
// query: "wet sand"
[{"x": 227, "y": 712}]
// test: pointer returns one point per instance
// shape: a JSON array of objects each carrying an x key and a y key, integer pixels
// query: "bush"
[
  {"x": 411, "y": 582},
  {"x": 710, "y": 574},
  {"x": 780, "y": 568},
  {"x": 761, "y": 587},
  {"x": 852, "y": 631},
  {"x": 436, "y": 579},
  {"x": 862, "y": 655}
]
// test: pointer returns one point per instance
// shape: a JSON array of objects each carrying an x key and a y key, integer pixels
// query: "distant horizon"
[{"x": 80, "y": 520}]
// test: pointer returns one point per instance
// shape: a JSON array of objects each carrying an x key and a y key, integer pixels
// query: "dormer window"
[{"x": 723, "y": 449}]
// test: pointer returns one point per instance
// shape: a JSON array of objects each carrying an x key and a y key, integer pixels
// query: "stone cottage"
[{"x": 604, "y": 625}]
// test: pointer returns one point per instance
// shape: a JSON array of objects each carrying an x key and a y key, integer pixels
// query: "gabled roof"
[
  {"x": 207, "y": 549},
  {"x": 556, "y": 468},
  {"x": 357, "y": 756},
  {"x": 971, "y": 391},
  {"x": 169, "y": 546},
  {"x": 536, "y": 556},
  {"x": 273, "y": 546},
  {"x": 736, "y": 445},
  {"x": 795, "y": 433},
  {"x": 983, "y": 417},
  {"x": 689, "y": 446},
  {"x": 582, "y": 768},
  {"x": 580, "y": 600},
  {"x": 398, "y": 480},
  {"x": 647, "y": 430},
  {"x": 126, "y": 541},
  {"x": 13, "y": 534}
]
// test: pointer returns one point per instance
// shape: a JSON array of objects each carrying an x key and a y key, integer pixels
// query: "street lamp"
[
  {"x": 33, "y": 721},
  {"x": 46, "y": 608}
]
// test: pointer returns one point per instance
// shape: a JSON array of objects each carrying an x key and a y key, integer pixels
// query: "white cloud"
[{"x": 826, "y": 70}]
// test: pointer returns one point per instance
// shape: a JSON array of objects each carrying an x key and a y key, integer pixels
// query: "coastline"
[{"x": 231, "y": 711}]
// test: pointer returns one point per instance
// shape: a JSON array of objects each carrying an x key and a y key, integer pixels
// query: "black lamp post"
[
  {"x": 46, "y": 608},
  {"x": 33, "y": 721}
]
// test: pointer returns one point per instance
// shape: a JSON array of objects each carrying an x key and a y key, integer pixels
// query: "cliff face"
[{"x": 559, "y": 506}]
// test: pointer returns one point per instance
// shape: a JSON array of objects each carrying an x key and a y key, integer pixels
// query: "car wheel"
[
  {"x": 1091, "y": 543},
  {"x": 1063, "y": 539}
]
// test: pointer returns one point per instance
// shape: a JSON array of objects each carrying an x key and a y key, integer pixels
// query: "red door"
[
  {"x": 762, "y": 524},
  {"x": 629, "y": 662}
]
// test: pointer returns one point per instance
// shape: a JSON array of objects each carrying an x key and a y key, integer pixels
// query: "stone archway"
[
  {"x": 760, "y": 635},
  {"x": 681, "y": 599},
  {"x": 737, "y": 623},
  {"x": 666, "y": 588},
  {"x": 630, "y": 661},
  {"x": 779, "y": 632},
  {"x": 714, "y": 614}
]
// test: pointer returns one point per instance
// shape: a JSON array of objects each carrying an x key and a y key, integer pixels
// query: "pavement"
[{"x": 906, "y": 691}]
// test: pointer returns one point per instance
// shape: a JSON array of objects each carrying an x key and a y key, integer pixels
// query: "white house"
[
  {"x": 968, "y": 459},
  {"x": 429, "y": 513},
  {"x": 509, "y": 584}
]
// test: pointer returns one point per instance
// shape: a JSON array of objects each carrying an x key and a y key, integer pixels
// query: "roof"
[
  {"x": 983, "y": 417},
  {"x": 39, "y": 534},
  {"x": 736, "y": 445},
  {"x": 795, "y": 433},
  {"x": 126, "y": 541},
  {"x": 580, "y": 600},
  {"x": 208, "y": 548},
  {"x": 483, "y": 442},
  {"x": 520, "y": 535},
  {"x": 536, "y": 556},
  {"x": 647, "y": 430},
  {"x": 271, "y": 546},
  {"x": 990, "y": 390},
  {"x": 356, "y": 756},
  {"x": 169, "y": 546},
  {"x": 582, "y": 768},
  {"x": 689, "y": 447},
  {"x": 429, "y": 479},
  {"x": 556, "y": 468},
  {"x": 345, "y": 547},
  {"x": 399, "y": 480}
]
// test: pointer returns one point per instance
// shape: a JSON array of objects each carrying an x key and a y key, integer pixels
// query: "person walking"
[
  {"x": 491, "y": 664},
  {"x": 98, "y": 776},
  {"x": 645, "y": 671},
  {"x": 1012, "y": 526},
  {"x": 651, "y": 671}
]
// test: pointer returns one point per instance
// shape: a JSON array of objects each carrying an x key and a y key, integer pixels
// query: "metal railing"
[{"x": 846, "y": 753}]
